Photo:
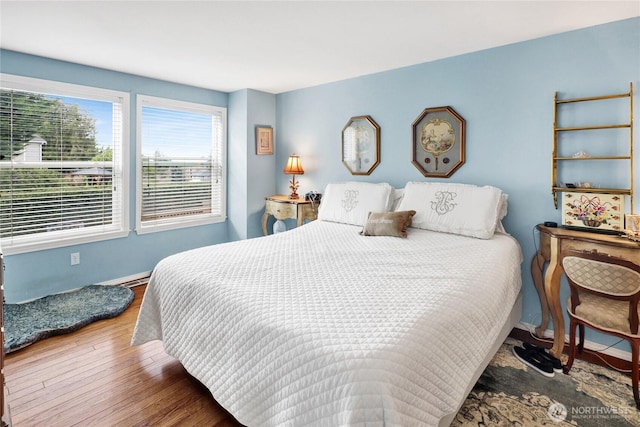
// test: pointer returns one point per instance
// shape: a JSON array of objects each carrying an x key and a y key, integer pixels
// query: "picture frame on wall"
[
  {"x": 438, "y": 142},
  {"x": 264, "y": 140},
  {"x": 598, "y": 212}
]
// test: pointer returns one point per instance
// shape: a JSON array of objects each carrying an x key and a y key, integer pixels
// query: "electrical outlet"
[{"x": 75, "y": 258}]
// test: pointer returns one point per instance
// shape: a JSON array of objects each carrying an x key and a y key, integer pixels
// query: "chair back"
[{"x": 602, "y": 274}]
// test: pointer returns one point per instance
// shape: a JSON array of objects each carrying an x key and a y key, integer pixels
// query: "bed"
[{"x": 326, "y": 325}]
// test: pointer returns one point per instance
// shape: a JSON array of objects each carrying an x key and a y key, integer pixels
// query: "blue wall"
[
  {"x": 504, "y": 94},
  {"x": 251, "y": 177}
]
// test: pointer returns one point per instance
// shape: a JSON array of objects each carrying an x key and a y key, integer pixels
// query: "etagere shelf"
[{"x": 627, "y": 157}]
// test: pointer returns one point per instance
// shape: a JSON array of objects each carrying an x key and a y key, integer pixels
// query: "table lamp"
[{"x": 293, "y": 168}]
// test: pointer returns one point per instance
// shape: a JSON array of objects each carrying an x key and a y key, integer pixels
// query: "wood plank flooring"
[{"x": 93, "y": 377}]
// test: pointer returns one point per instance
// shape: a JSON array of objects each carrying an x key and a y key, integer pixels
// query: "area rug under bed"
[
  {"x": 509, "y": 393},
  {"x": 62, "y": 313}
]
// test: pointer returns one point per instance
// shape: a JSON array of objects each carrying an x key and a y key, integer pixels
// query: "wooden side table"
[
  {"x": 555, "y": 243},
  {"x": 282, "y": 207}
]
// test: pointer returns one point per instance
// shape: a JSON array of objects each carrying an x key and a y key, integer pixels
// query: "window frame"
[
  {"x": 173, "y": 223},
  {"x": 38, "y": 242}
]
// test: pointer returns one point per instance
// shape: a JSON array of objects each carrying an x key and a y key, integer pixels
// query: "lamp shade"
[{"x": 293, "y": 166}]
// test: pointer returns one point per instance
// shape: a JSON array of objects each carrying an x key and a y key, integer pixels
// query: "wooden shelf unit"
[{"x": 555, "y": 189}]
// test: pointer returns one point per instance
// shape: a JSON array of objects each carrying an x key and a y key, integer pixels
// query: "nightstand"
[{"x": 282, "y": 207}]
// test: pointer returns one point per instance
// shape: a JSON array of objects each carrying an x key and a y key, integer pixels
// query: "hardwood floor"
[{"x": 93, "y": 377}]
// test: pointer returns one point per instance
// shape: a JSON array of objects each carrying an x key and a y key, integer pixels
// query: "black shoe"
[
  {"x": 555, "y": 362},
  {"x": 533, "y": 359}
]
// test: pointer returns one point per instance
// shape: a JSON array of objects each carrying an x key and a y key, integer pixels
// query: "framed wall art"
[
  {"x": 593, "y": 211},
  {"x": 264, "y": 140},
  {"x": 438, "y": 142},
  {"x": 361, "y": 145}
]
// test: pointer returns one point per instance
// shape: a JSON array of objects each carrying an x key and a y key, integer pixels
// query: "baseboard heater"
[{"x": 129, "y": 281}]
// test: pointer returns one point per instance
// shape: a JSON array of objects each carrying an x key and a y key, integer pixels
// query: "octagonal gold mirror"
[{"x": 361, "y": 145}]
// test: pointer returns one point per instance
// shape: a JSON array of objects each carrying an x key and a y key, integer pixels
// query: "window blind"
[
  {"x": 61, "y": 179},
  {"x": 181, "y": 158}
]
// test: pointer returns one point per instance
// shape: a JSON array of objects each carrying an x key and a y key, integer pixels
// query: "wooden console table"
[{"x": 555, "y": 242}]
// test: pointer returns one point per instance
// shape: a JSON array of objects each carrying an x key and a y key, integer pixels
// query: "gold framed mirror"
[{"x": 361, "y": 145}]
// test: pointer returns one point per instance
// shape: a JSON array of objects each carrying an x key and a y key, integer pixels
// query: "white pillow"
[
  {"x": 463, "y": 209},
  {"x": 397, "y": 198},
  {"x": 502, "y": 212},
  {"x": 351, "y": 202}
]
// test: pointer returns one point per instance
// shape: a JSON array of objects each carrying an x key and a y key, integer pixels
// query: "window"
[
  {"x": 62, "y": 151},
  {"x": 181, "y": 162}
]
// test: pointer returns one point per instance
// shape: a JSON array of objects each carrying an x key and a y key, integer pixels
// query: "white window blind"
[
  {"x": 61, "y": 155},
  {"x": 181, "y": 158}
]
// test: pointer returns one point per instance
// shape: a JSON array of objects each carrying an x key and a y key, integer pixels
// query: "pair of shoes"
[
  {"x": 533, "y": 358},
  {"x": 557, "y": 364}
]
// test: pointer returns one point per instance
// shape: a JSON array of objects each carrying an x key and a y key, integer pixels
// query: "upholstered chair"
[{"x": 604, "y": 296}]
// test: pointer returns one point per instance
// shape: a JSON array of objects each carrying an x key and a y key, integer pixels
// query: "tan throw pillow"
[{"x": 388, "y": 223}]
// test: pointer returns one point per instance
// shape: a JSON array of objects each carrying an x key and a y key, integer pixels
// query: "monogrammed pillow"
[
  {"x": 351, "y": 202},
  {"x": 464, "y": 209},
  {"x": 388, "y": 223}
]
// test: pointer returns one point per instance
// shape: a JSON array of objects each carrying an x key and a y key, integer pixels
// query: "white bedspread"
[{"x": 322, "y": 326}]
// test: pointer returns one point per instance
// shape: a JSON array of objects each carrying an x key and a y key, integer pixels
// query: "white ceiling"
[{"x": 278, "y": 46}]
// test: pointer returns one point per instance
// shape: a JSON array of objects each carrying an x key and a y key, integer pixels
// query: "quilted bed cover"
[{"x": 323, "y": 326}]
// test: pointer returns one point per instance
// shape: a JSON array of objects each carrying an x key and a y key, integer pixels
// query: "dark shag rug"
[
  {"x": 509, "y": 393},
  {"x": 62, "y": 313}
]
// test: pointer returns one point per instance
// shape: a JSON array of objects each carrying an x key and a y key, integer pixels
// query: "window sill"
[
  {"x": 159, "y": 226},
  {"x": 13, "y": 248}
]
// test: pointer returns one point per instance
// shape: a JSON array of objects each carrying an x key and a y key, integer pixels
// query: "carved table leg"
[
  {"x": 537, "y": 266},
  {"x": 265, "y": 216},
  {"x": 552, "y": 290}
]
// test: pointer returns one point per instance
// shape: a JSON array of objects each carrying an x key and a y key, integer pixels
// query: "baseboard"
[
  {"x": 129, "y": 281},
  {"x": 593, "y": 352}
]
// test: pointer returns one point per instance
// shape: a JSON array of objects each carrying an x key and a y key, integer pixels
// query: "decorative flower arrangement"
[{"x": 591, "y": 211}]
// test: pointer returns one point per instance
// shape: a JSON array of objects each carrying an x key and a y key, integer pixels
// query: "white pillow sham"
[
  {"x": 351, "y": 202},
  {"x": 396, "y": 194},
  {"x": 464, "y": 209}
]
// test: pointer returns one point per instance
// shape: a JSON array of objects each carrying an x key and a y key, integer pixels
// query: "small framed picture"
[
  {"x": 593, "y": 211},
  {"x": 264, "y": 140}
]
